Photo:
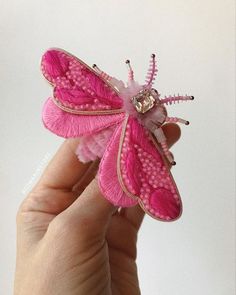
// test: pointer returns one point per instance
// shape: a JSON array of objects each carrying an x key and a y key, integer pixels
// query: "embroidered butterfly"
[{"x": 121, "y": 124}]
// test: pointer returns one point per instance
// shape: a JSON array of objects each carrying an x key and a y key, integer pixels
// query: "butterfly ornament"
[{"x": 118, "y": 123}]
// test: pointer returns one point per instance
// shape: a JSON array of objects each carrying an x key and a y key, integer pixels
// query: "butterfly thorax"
[
  {"x": 150, "y": 111},
  {"x": 145, "y": 100}
]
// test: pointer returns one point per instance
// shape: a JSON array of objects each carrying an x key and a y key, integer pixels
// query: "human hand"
[{"x": 70, "y": 239}]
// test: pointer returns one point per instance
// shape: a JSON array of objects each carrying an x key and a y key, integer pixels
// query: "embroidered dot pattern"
[
  {"x": 76, "y": 86},
  {"x": 145, "y": 174}
]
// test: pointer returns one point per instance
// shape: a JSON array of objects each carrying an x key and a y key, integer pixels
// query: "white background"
[{"x": 194, "y": 43}]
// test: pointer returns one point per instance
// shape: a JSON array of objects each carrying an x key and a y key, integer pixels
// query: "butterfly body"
[
  {"x": 119, "y": 123},
  {"x": 151, "y": 112}
]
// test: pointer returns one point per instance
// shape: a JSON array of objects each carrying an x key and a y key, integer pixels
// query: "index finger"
[{"x": 64, "y": 170}]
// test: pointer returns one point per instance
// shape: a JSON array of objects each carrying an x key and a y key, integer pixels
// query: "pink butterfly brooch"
[{"x": 119, "y": 123}]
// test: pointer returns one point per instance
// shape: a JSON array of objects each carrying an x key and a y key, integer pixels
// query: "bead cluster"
[
  {"x": 153, "y": 175},
  {"x": 75, "y": 78}
]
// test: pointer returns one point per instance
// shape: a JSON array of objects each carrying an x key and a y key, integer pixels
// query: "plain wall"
[{"x": 195, "y": 44}]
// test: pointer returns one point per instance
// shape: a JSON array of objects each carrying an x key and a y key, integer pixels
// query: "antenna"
[
  {"x": 152, "y": 71},
  {"x": 131, "y": 72}
]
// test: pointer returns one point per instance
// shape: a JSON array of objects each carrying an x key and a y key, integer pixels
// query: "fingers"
[
  {"x": 135, "y": 214},
  {"x": 172, "y": 132},
  {"x": 88, "y": 176},
  {"x": 65, "y": 177},
  {"x": 64, "y": 170},
  {"x": 90, "y": 213},
  {"x": 54, "y": 191}
]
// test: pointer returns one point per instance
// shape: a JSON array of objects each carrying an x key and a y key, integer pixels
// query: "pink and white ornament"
[{"x": 119, "y": 123}]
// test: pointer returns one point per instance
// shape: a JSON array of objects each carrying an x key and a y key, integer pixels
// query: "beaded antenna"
[{"x": 119, "y": 123}]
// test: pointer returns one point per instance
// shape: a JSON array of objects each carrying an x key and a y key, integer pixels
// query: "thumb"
[{"x": 90, "y": 213}]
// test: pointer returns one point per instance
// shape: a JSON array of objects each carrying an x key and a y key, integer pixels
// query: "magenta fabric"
[
  {"x": 107, "y": 174},
  {"x": 145, "y": 173},
  {"x": 76, "y": 85}
]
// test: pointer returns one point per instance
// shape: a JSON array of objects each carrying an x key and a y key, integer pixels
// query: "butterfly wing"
[
  {"x": 77, "y": 90},
  {"x": 69, "y": 125},
  {"x": 108, "y": 175},
  {"x": 77, "y": 86},
  {"x": 143, "y": 173}
]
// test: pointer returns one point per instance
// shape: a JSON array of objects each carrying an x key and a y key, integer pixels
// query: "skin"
[{"x": 70, "y": 239}]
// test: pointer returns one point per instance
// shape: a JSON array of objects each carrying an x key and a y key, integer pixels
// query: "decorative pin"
[{"x": 119, "y": 124}]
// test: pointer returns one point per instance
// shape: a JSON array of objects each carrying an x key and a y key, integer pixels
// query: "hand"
[{"x": 70, "y": 239}]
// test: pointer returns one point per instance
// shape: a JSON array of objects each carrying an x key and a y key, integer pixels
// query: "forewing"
[
  {"x": 77, "y": 87},
  {"x": 108, "y": 177},
  {"x": 144, "y": 173}
]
